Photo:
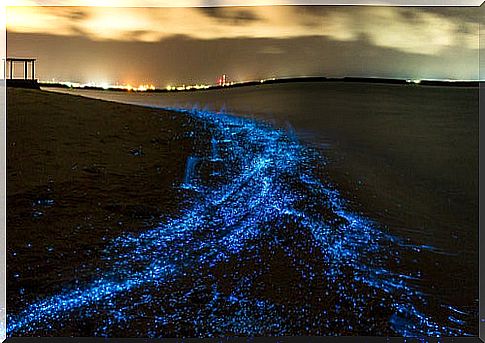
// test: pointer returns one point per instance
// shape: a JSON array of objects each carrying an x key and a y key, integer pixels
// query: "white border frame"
[{"x": 160, "y": 3}]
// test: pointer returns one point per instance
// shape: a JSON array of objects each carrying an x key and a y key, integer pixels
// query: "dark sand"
[
  {"x": 81, "y": 172},
  {"x": 77, "y": 176}
]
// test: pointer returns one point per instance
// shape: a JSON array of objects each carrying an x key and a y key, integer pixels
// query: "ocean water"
[{"x": 376, "y": 184}]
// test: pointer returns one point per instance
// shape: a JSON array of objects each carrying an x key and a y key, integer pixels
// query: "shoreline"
[
  {"x": 369, "y": 80},
  {"x": 222, "y": 220},
  {"x": 83, "y": 176}
]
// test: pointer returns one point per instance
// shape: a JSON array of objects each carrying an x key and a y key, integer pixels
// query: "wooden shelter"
[{"x": 27, "y": 81}]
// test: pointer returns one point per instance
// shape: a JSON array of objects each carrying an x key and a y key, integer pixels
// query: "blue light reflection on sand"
[{"x": 268, "y": 183}]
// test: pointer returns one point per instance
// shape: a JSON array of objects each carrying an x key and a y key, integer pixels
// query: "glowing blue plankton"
[{"x": 267, "y": 183}]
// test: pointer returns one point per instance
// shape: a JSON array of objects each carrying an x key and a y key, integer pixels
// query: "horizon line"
[{"x": 287, "y": 79}]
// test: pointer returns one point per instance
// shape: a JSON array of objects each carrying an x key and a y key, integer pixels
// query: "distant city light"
[
  {"x": 104, "y": 85},
  {"x": 222, "y": 80},
  {"x": 270, "y": 79},
  {"x": 187, "y": 87}
]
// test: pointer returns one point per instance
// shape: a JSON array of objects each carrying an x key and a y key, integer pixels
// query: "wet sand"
[
  {"x": 405, "y": 155},
  {"x": 108, "y": 239},
  {"x": 79, "y": 173}
]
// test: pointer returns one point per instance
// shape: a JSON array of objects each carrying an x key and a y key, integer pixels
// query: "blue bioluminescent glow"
[
  {"x": 215, "y": 150},
  {"x": 258, "y": 200},
  {"x": 190, "y": 172}
]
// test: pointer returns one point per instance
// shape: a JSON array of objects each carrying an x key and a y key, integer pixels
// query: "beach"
[
  {"x": 128, "y": 221},
  {"x": 404, "y": 156},
  {"x": 81, "y": 172}
]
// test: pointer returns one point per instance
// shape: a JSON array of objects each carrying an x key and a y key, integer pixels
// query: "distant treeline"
[{"x": 295, "y": 80}]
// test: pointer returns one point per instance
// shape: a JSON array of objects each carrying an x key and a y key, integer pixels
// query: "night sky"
[{"x": 167, "y": 46}]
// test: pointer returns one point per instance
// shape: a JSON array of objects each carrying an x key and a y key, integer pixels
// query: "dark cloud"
[
  {"x": 314, "y": 10},
  {"x": 136, "y": 34},
  {"x": 76, "y": 30},
  {"x": 231, "y": 15},
  {"x": 339, "y": 47},
  {"x": 408, "y": 29},
  {"x": 409, "y": 14},
  {"x": 459, "y": 13},
  {"x": 75, "y": 17},
  {"x": 76, "y": 14},
  {"x": 178, "y": 60},
  {"x": 464, "y": 29}
]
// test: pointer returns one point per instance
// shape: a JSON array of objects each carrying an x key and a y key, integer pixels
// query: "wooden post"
[
  {"x": 11, "y": 69},
  {"x": 33, "y": 70},
  {"x": 25, "y": 70}
]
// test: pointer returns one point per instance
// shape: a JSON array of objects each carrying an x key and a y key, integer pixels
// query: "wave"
[{"x": 267, "y": 246}]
